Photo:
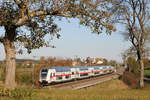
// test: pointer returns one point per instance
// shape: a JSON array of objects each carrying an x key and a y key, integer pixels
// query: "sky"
[{"x": 79, "y": 41}]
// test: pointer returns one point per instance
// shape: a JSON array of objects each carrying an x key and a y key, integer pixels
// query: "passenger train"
[{"x": 50, "y": 75}]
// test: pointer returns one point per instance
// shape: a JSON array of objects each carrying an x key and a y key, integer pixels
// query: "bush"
[
  {"x": 5, "y": 92},
  {"x": 133, "y": 66},
  {"x": 21, "y": 93},
  {"x": 16, "y": 93},
  {"x": 24, "y": 78},
  {"x": 130, "y": 79}
]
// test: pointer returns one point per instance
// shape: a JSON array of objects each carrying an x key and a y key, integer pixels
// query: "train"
[{"x": 50, "y": 75}]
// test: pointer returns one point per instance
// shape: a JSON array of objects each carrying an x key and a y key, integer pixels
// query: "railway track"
[{"x": 87, "y": 82}]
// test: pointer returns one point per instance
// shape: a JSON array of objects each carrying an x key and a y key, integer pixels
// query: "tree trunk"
[
  {"x": 141, "y": 73},
  {"x": 10, "y": 64},
  {"x": 140, "y": 60}
]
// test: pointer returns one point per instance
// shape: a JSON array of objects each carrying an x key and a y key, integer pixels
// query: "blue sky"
[{"x": 77, "y": 40}]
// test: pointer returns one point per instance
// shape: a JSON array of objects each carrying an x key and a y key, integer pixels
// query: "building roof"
[{"x": 146, "y": 59}]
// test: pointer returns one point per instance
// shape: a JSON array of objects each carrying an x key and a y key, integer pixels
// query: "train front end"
[{"x": 43, "y": 76}]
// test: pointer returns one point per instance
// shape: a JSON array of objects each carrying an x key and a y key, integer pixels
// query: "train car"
[
  {"x": 83, "y": 72},
  {"x": 55, "y": 74},
  {"x": 91, "y": 71},
  {"x": 97, "y": 70},
  {"x": 108, "y": 69},
  {"x": 112, "y": 69},
  {"x": 50, "y": 75},
  {"x": 75, "y": 72}
]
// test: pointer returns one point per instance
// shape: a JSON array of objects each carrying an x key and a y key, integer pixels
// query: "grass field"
[{"x": 111, "y": 90}]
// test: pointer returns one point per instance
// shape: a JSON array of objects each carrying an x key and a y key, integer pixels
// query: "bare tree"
[
  {"x": 26, "y": 23},
  {"x": 136, "y": 17}
]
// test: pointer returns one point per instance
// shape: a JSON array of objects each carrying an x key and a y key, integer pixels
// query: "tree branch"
[
  {"x": 1, "y": 39},
  {"x": 33, "y": 14},
  {"x": 58, "y": 11}
]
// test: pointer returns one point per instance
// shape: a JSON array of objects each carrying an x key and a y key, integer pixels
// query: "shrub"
[
  {"x": 16, "y": 93},
  {"x": 21, "y": 93},
  {"x": 24, "y": 77},
  {"x": 4, "y": 92},
  {"x": 130, "y": 79},
  {"x": 133, "y": 66}
]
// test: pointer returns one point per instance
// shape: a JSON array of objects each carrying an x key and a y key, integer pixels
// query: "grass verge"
[{"x": 111, "y": 90}]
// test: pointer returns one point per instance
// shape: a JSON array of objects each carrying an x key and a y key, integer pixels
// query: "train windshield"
[{"x": 44, "y": 73}]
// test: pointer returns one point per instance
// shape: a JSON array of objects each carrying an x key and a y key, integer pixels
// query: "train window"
[
  {"x": 44, "y": 73},
  {"x": 86, "y": 74},
  {"x": 83, "y": 69},
  {"x": 59, "y": 78},
  {"x": 72, "y": 73},
  {"x": 44, "y": 70},
  {"x": 51, "y": 75},
  {"x": 96, "y": 73},
  {"x": 67, "y": 77}
]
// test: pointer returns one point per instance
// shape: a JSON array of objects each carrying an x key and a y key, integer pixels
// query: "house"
[
  {"x": 94, "y": 60},
  {"x": 99, "y": 61}
]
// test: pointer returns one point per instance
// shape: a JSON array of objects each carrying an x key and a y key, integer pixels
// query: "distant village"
[{"x": 54, "y": 61}]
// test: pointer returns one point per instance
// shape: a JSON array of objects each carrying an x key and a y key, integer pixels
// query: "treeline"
[{"x": 53, "y": 61}]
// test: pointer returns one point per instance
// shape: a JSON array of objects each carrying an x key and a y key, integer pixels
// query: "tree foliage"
[{"x": 35, "y": 19}]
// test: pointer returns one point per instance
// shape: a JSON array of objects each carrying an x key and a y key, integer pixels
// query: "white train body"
[{"x": 50, "y": 75}]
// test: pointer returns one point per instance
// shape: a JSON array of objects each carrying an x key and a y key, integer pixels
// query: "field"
[{"x": 111, "y": 90}]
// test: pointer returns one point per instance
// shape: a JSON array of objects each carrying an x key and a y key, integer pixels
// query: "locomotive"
[{"x": 49, "y": 75}]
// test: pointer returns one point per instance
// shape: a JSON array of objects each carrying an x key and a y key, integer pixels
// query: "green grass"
[{"x": 111, "y": 90}]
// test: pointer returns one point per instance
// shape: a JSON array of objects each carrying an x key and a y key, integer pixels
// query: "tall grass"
[{"x": 24, "y": 76}]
